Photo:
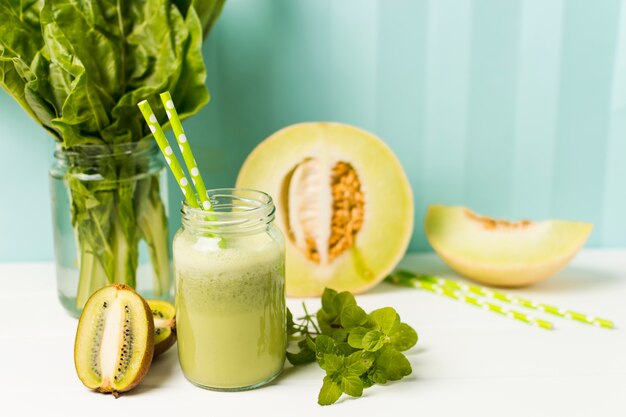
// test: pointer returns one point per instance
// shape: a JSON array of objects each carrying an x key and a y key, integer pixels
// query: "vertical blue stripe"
[
  {"x": 536, "y": 108},
  {"x": 447, "y": 63},
  {"x": 302, "y": 55},
  {"x": 493, "y": 72},
  {"x": 585, "y": 97},
  {"x": 614, "y": 221},
  {"x": 401, "y": 92},
  {"x": 353, "y": 61}
]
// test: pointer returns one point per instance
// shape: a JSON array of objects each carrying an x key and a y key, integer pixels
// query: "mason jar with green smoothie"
[{"x": 230, "y": 291}]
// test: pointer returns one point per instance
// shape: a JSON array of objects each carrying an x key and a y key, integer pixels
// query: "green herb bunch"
[
  {"x": 356, "y": 349},
  {"x": 79, "y": 68}
]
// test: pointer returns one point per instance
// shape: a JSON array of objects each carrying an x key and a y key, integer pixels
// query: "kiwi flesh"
[
  {"x": 114, "y": 342},
  {"x": 164, "y": 314}
]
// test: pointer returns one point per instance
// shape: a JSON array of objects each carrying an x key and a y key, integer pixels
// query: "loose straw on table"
[
  {"x": 524, "y": 302},
  {"x": 411, "y": 280},
  {"x": 460, "y": 291},
  {"x": 168, "y": 153},
  {"x": 185, "y": 149}
]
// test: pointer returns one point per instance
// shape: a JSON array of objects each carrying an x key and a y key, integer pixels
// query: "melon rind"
[
  {"x": 388, "y": 221},
  {"x": 506, "y": 257}
]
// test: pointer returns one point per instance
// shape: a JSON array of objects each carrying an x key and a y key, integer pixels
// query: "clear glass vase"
[{"x": 110, "y": 221}]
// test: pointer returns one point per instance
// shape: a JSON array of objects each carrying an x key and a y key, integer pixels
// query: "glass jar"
[
  {"x": 109, "y": 221},
  {"x": 229, "y": 267}
]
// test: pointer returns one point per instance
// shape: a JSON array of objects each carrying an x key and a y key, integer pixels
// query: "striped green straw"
[
  {"x": 168, "y": 153},
  {"x": 524, "y": 302},
  {"x": 409, "y": 279},
  {"x": 185, "y": 149}
]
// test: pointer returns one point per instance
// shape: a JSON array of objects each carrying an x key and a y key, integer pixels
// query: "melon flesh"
[
  {"x": 319, "y": 174},
  {"x": 499, "y": 252}
]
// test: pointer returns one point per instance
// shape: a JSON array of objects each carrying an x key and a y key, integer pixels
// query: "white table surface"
[{"x": 467, "y": 362}]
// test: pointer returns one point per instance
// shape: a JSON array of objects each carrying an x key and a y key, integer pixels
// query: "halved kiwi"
[
  {"x": 114, "y": 341},
  {"x": 164, "y": 314}
]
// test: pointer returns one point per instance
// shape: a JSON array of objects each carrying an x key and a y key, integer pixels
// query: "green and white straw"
[
  {"x": 411, "y": 280},
  {"x": 461, "y": 291},
  {"x": 524, "y": 302},
  {"x": 185, "y": 149},
  {"x": 168, "y": 153}
]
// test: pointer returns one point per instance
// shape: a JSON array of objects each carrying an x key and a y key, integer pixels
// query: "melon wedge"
[
  {"x": 500, "y": 252},
  {"x": 343, "y": 203}
]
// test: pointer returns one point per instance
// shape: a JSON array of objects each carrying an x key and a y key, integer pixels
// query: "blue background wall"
[{"x": 514, "y": 108}]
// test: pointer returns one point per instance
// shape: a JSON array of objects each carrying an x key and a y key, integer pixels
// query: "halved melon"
[
  {"x": 499, "y": 252},
  {"x": 343, "y": 203}
]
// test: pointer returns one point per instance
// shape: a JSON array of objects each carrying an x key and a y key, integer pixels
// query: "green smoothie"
[{"x": 230, "y": 304}]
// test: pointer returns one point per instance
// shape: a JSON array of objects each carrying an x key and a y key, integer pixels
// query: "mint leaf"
[
  {"x": 329, "y": 393},
  {"x": 355, "y": 338},
  {"x": 358, "y": 362},
  {"x": 340, "y": 335},
  {"x": 403, "y": 337},
  {"x": 367, "y": 381},
  {"x": 332, "y": 363},
  {"x": 356, "y": 349},
  {"x": 302, "y": 357},
  {"x": 328, "y": 316},
  {"x": 327, "y": 300},
  {"x": 386, "y": 318},
  {"x": 353, "y": 316},
  {"x": 310, "y": 343},
  {"x": 324, "y": 344},
  {"x": 342, "y": 300},
  {"x": 351, "y": 385},
  {"x": 393, "y": 363},
  {"x": 291, "y": 325},
  {"x": 378, "y": 376},
  {"x": 344, "y": 349},
  {"x": 373, "y": 340}
]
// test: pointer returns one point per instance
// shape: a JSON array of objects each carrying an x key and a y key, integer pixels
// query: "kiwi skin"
[
  {"x": 168, "y": 313},
  {"x": 165, "y": 344},
  {"x": 146, "y": 360}
]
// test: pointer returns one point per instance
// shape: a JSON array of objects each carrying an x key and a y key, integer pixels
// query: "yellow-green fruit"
[
  {"x": 114, "y": 341},
  {"x": 343, "y": 202},
  {"x": 164, "y": 314},
  {"x": 500, "y": 252}
]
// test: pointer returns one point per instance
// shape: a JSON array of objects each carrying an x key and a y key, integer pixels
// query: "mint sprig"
[{"x": 356, "y": 349}]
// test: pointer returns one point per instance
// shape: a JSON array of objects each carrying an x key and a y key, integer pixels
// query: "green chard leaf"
[{"x": 79, "y": 68}]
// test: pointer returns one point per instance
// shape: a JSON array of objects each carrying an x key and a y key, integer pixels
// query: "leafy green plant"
[
  {"x": 356, "y": 349},
  {"x": 79, "y": 68}
]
